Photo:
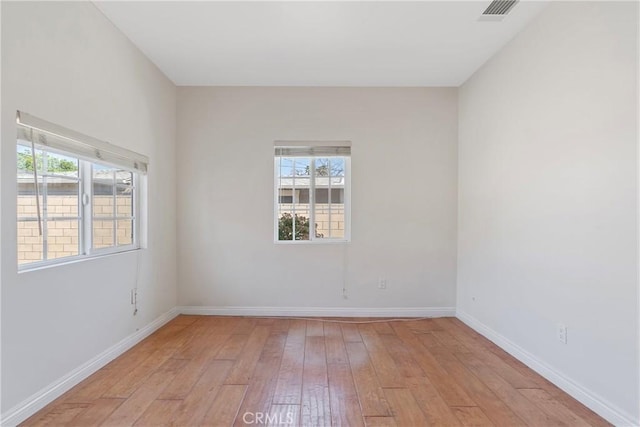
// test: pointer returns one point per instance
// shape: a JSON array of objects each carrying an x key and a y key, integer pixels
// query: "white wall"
[
  {"x": 548, "y": 196},
  {"x": 66, "y": 63},
  {"x": 403, "y": 197}
]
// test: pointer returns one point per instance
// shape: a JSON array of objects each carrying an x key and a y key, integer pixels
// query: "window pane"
[
  {"x": 103, "y": 189},
  {"x": 124, "y": 232},
  {"x": 322, "y": 195},
  {"x": 285, "y": 196},
  {"x": 293, "y": 198},
  {"x": 321, "y": 198},
  {"x": 63, "y": 197},
  {"x": 124, "y": 177},
  {"x": 285, "y": 166},
  {"x": 124, "y": 200},
  {"x": 26, "y": 203},
  {"x": 322, "y": 167},
  {"x": 62, "y": 165},
  {"x": 301, "y": 183},
  {"x": 285, "y": 227},
  {"x": 337, "y": 222},
  {"x": 29, "y": 242},
  {"x": 302, "y": 166},
  {"x": 293, "y": 227},
  {"x": 27, "y": 206},
  {"x": 337, "y": 181},
  {"x": 337, "y": 166},
  {"x": 103, "y": 234},
  {"x": 25, "y": 160},
  {"x": 329, "y": 216},
  {"x": 337, "y": 195},
  {"x": 322, "y": 225},
  {"x": 63, "y": 238},
  {"x": 302, "y": 226},
  {"x": 103, "y": 205},
  {"x": 303, "y": 196}
]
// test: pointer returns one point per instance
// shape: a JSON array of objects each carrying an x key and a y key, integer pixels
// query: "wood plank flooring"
[{"x": 223, "y": 371}]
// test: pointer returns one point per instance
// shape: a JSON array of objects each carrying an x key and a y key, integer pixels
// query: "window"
[
  {"x": 113, "y": 205},
  {"x": 312, "y": 192},
  {"x": 77, "y": 196}
]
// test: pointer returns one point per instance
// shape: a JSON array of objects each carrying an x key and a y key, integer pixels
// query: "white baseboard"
[
  {"x": 39, "y": 400},
  {"x": 588, "y": 398},
  {"x": 319, "y": 311}
]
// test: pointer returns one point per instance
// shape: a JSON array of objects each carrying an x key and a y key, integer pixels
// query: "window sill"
[
  {"x": 44, "y": 265},
  {"x": 312, "y": 242}
]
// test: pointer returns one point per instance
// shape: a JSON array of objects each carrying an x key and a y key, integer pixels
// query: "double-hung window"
[
  {"x": 77, "y": 196},
  {"x": 312, "y": 191}
]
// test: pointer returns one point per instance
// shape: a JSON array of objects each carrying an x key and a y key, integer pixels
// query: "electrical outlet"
[
  {"x": 562, "y": 333},
  {"x": 382, "y": 283}
]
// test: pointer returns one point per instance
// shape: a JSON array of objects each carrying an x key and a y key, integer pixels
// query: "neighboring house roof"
[
  {"x": 303, "y": 182},
  {"x": 101, "y": 176}
]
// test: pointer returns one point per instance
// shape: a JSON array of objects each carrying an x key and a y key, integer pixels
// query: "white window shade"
[
  {"x": 312, "y": 149},
  {"x": 38, "y": 131}
]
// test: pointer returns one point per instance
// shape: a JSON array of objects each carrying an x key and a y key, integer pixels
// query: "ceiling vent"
[{"x": 499, "y": 8}]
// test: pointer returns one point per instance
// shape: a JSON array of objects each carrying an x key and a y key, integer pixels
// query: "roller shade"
[
  {"x": 34, "y": 130},
  {"x": 317, "y": 149}
]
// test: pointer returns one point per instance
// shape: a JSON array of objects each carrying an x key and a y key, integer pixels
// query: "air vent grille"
[{"x": 499, "y": 7}]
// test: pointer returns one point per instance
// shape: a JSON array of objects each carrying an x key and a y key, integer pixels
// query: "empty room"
[{"x": 320, "y": 213}]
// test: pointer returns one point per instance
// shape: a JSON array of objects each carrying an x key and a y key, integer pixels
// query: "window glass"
[
  {"x": 103, "y": 236},
  {"x": 311, "y": 198},
  {"x": 113, "y": 206}
]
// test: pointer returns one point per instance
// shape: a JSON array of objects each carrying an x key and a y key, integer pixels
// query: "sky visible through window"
[{"x": 300, "y": 166}]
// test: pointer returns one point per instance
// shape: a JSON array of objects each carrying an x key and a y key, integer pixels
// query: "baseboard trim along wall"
[
  {"x": 319, "y": 311},
  {"x": 39, "y": 400},
  {"x": 588, "y": 398}
]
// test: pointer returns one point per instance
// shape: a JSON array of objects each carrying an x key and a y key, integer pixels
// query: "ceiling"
[{"x": 331, "y": 43}]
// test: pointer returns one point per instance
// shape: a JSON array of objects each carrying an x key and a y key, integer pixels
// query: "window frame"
[
  {"x": 313, "y": 240},
  {"x": 85, "y": 213},
  {"x": 135, "y": 206}
]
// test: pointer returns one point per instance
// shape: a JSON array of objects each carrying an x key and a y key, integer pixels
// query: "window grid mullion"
[
  {"x": 87, "y": 207},
  {"x": 134, "y": 209}
]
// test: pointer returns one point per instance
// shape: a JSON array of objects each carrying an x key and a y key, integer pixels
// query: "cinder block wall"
[{"x": 63, "y": 235}]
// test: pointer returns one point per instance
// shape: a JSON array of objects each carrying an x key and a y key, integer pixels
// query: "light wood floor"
[{"x": 225, "y": 371}]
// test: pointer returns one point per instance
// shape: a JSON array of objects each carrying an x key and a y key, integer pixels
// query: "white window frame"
[
  {"x": 312, "y": 204},
  {"x": 135, "y": 219},
  {"x": 85, "y": 202}
]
